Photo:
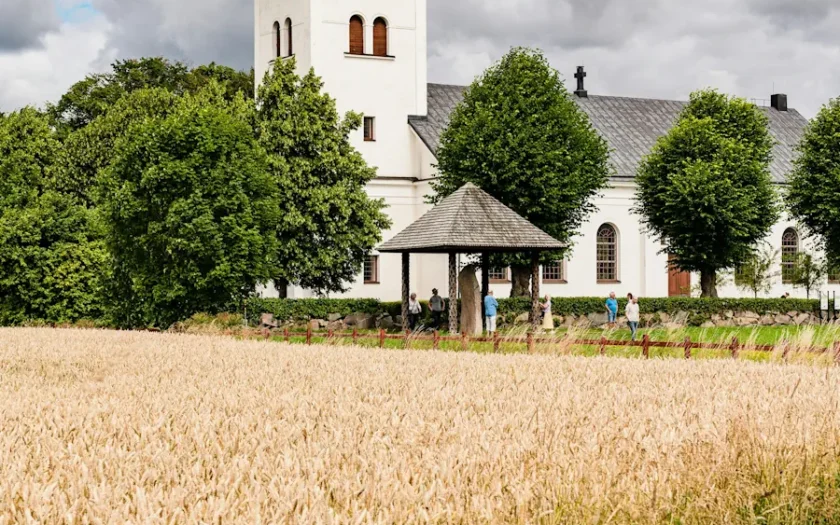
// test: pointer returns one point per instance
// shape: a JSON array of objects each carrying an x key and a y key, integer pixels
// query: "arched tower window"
[
  {"x": 277, "y": 38},
  {"x": 357, "y": 35},
  {"x": 607, "y": 253},
  {"x": 289, "y": 48},
  {"x": 790, "y": 251},
  {"x": 380, "y": 37}
]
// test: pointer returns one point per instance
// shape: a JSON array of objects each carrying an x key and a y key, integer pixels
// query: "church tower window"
[
  {"x": 370, "y": 129},
  {"x": 380, "y": 37},
  {"x": 790, "y": 251},
  {"x": 278, "y": 40},
  {"x": 357, "y": 36},
  {"x": 607, "y": 254},
  {"x": 289, "y": 49}
]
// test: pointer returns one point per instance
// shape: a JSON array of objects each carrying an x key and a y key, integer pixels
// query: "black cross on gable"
[{"x": 580, "y": 75}]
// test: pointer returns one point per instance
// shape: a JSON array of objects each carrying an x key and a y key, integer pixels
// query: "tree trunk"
[
  {"x": 520, "y": 277},
  {"x": 708, "y": 283},
  {"x": 282, "y": 287}
]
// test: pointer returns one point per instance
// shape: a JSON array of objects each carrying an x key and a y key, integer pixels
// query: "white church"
[{"x": 371, "y": 55}]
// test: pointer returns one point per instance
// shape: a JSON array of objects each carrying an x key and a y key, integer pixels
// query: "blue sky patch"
[{"x": 75, "y": 13}]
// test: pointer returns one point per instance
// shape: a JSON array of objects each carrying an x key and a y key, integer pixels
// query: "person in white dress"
[
  {"x": 547, "y": 318},
  {"x": 632, "y": 314}
]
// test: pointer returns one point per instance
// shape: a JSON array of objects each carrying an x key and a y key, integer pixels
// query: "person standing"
[
  {"x": 491, "y": 308},
  {"x": 632, "y": 314},
  {"x": 436, "y": 304},
  {"x": 545, "y": 314},
  {"x": 611, "y": 306},
  {"x": 414, "y": 310}
]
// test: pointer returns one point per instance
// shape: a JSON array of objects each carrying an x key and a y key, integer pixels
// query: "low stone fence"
[{"x": 367, "y": 321}]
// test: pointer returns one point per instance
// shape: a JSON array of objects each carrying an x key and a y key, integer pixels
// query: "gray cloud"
[
  {"x": 639, "y": 48},
  {"x": 24, "y": 22}
]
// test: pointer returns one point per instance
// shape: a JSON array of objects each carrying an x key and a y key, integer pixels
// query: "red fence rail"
[{"x": 735, "y": 347}]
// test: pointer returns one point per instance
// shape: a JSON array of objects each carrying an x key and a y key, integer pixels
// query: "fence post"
[
  {"x": 308, "y": 335},
  {"x": 267, "y": 334},
  {"x": 837, "y": 353},
  {"x": 786, "y": 351},
  {"x": 407, "y": 339},
  {"x": 603, "y": 349},
  {"x": 355, "y": 337},
  {"x": 286, "y": 336},
  {"x": 734, "y": 348},
  {"x": 496, "y": 342},
  {"x": 381, "y": 338},
  {"x": 646, "y": 346},
  {"x": 436, "y": 343},
  {"x": 465, "y": 344},
  {"x": 687, "y": 347},
  {"x": 531, "y": 345},
  {"x": 330, "y": 336}
]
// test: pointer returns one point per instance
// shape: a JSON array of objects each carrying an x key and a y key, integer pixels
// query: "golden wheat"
[{"x": 116, "y": 427}]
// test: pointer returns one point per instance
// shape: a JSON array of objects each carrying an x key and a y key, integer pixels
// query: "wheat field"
[{"x": 122, "y": 427}]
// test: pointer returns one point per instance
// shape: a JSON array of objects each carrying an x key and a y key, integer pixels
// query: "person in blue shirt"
[
  {"x": 612, "y": 309},
  {"x": 491, "y": 307}
]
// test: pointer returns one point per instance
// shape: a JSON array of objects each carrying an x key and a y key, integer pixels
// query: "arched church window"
[
  {"x": 790, "y": 251},
  {"x": 289, "y": 49},
  {"x": 357, "y": 36},
  {"x": 277, "y": 38},
  {"x": 380, "y": 37},
  {"x": 607, "y": 253}
]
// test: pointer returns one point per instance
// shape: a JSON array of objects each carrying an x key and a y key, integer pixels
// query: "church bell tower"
[{"x": 371, "y": 55}]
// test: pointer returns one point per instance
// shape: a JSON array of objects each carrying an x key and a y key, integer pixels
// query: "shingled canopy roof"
[
  {"x": 630, "y": 126},
  {"x": 471, "y": 221}
]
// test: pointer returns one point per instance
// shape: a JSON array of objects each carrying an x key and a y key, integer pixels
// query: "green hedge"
[{"x": 304, "y": 309}]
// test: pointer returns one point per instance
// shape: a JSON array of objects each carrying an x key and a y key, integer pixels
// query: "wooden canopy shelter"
[{"x": 471, "y": 221}]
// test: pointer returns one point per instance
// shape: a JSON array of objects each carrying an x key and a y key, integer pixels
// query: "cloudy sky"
[{"x": 640, "y": 48}]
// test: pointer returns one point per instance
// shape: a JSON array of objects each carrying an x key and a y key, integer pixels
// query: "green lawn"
[{"x": 797, "y": 337}]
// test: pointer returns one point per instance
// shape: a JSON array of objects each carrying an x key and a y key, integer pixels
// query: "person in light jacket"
[
  {"x": 414, "y": 311},
  {"x": 632, "y": 314}
]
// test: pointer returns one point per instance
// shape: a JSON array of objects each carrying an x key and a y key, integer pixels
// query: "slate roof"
[
  {"x": 471, "y": 221},
  {"x": 630, "y": 126}
]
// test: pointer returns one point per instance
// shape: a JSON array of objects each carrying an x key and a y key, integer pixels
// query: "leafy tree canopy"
[
  {"x": 328, "y": 223},
  {"x": 50, "y": 260},
  {"x": 812, "y": 194},
  {"x": 705, "y": 189},
  {"x": 519, "y": 135},
  {"x": 97, "y": 93},
  {"x": 191, "y": 211}
]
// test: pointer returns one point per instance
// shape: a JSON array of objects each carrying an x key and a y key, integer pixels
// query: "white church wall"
[{"x": 266, "y": 12}]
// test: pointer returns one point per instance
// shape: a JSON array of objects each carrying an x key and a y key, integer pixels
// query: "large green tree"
[
  {"x": 51, "y": 258},
  {"x": 191, "y": 211},
  {"x": 812, "y": 192},
  {"x": 97, "y": 93},
  {"x": 705, "y": 190},
  {"x": 328, "y": 223},
  {"x": 519, "y": 135}
]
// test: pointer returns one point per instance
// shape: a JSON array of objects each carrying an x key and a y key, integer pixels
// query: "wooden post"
[
  {"x": 407, "y": 339},
  {"x": 496, "y": 342},
  {"x": 286, "y": 336},
  {"x": 603, "y": 349},
  {"x": 535, "y": 291},
  {"x": 330, "y": 336},
  {"x": 453, "y": 294},
  {"x": 309, "y": 335},
  {"x": 381, "y": 338},
  {"x": 406, "y": 290},
  {"x": 646, "y": 346},
  {"x": 531, "y": 344},
  {"x": 355, "y": 336},
  {"x": 837, "y": 353},
  {"x": 734, "y": 348},
  {"x": 465, "y": 344},
  {"x": 485, "y": 287},
  {"x": 688, "y": 347},
  {"x": 786, "y": 351},
  {"x": 436, "y": 343}
]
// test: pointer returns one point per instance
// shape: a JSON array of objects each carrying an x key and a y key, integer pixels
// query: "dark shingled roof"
[
  {"x": 471, "y": 221},
  {"x": 630, "y": 126}
]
